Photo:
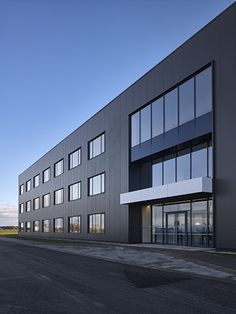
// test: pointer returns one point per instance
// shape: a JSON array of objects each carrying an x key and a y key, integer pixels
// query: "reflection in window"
[
  {"x": 97, "y": 184},
  {"x": 21, "y": 227},
  {"x": 46, "y": 225},
  {"x": 135, "y": 129},
  {"x": 28, "y": 226},
  {"x": 21, "y": 208},
  {"x": 183, "y": 165},
  {"x": 36, "y": 226},
  {"x": 199, "y": 223},
  {"x": 186, "y": 101},
  {"x": 28, "y": 185},
  {"x": 97, "y": 146},
  {"x": 96, "y": 223},
  {"x": 58, "y": 225},
  {"x": 145, "y": 124},
  {"x": 157, "y": 117},
  {"x": 46, "y": 175},
  {"x": 21, "y": 189},
  {"x": 58, "y": 197},
  {"x": 36, "y": 203},
  {"x": 171, "y": 110},
  {"x": 74, "y": 224},
  {"x": 75, "y": 158},
  {"x": 74, "y": 191},
  {"x": 157, "y": 174},
  {"x": 169, "y": 169},
  {"x": 28, "y": 206},
  {"x": 199, "y": 161},
  {"x": 157, "y": 224},
  {"x": 36, "y": 181},
  {"x": 46, "y": 200},
  {"x": 58, "y": 168},
  {"x": 210, "y": 165},
  {"x": 203, "y": 92}
]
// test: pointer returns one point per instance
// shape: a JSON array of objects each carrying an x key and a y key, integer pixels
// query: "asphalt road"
[{"x": 37, "y": 280}]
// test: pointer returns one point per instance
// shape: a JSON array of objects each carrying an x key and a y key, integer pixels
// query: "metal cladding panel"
[{"x": 215, "y": 44}]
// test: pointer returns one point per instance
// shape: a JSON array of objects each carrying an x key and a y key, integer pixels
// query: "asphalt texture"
[{"x": 35, "y": 280}]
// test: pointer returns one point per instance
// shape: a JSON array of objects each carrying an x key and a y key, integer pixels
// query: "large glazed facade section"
[{"x": 156, "y": 164}]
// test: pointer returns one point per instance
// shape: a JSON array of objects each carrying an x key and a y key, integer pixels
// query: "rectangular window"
[
  {"x": 36, "y": 226},
  {"x": 28, "y": 206},
  {"x": 210, "y": 165},
  {"x": 199, "y": 161},
  {"x": 58, "y": 168},
  {"x": 36, "y": 181},
  {"x": 169, "y": 169},
  {"x": 171, "y": 110},
  {"x": 97, "y": 146},
  {"x": 135, "y": 129},
  {"x": 96, "y": 223},
  {"x": 36, "y": 203},
  {"x": 186, "y": 101},
  {"x": 46, "y": 175},
  {"x": 145, "y": 123},
  {"x": 21, "y": 227},
  {"x": 157, "y": 117},
  {"x": 203, "y": 92},
  {"x": 157, "y": 174},
  {"x": 183, "y": 165},
  {"x": 28, "y": 185},
  {"x": 46, "y": 200},
  {"x": 58, "y": 197},
  {"x": 28, "y": 226},
  {"x": 97, "y": 184},
  {"x": 199, "y": 223},
  {"x": 75, "y": 158},
  {"x": 21, "y": 189},
  {"x": 58, "y": 225},
  {"x": 74, "y": 224},
  {"x": 21, "y": 208},
  {"x": 75, "y": 191},
  {"x": 46, "y": 225}
]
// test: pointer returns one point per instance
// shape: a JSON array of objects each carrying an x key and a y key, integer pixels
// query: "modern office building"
[{"x": 155, "y": 165}]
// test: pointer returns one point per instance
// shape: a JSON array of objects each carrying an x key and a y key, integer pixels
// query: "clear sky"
[{"x": 63, "y": 60}]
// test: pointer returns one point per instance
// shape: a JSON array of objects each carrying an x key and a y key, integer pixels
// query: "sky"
[{"x": 63, "y": 60}]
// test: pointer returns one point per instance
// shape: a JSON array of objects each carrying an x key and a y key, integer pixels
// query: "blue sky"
[{"x": 63, "y": 60}]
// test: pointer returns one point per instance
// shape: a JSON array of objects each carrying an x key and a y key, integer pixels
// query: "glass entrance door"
[{"x": 176, "y": 231}]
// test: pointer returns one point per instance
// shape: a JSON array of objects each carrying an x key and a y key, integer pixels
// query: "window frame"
[
  {"x": 26, "y": 185},
  {"x": 37, "y": 175},
  {"x": 54, "y": 224},
  {"x": 43, "y": 229},
  {"x": 92, "y": 229},
  {"x": 43, "y": 203},
  {"x": 26, "y": 206},
  {"x": 55, "y": 165},
  {"x": 99, "y": 174},
  {"x": 80, "y": 158},
  {"x": 92, "y": 140},
  {"x": 43, "y": 176},
  {"x": 54, "y": 198},
  {"x": 80, "y": 191},
  {"x": 34, "y": 203},
  {"x": 79, "y": 216}
]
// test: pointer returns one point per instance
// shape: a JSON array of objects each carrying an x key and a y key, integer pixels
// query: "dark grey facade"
[{"x": 154, "y": 183}]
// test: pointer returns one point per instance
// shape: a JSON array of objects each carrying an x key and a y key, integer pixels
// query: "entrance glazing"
[{"x": 176, "y": 228}]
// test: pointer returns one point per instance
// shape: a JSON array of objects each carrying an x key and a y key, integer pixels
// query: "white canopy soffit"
[{"x": 192, "y": 186}]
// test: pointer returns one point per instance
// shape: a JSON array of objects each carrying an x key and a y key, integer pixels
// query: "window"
[
  {"x": 97, "y": 184},
  {"x": 46, "y": 200},
  {"x": 171, "y": 110},
  {"x": 210, "y": 160},
  {"x": 28, "y": 185},
  {"x": 36, "y": 226},
  {"x": 58, "y": 225},
  {"x": 74, "y": 224},
  {"x": 203, "y": 92},
  {"x": 157, "y": 117},
  {"x": 58, "y": 168},
  {"x": 28, "y": 226},
  {"x": 97, "y": 146},
  {"x": 21, "y": 227},
  {"x": 36, "y": 203},
  {"x": 183, "y": 165},
  {"x": 135, "y": 129},
  {"x": 28, "y": 206},
  {"x": 46, "y": 175},
  {"x": 58, "y": 197},
  {"x": 21, "y": 208},
  {"x": 145, "y": 124},
  {"x": 36, "y": 181},
  {"x": 169, "y": 169},
  {"x": 96, "y": 223},
  {"x": 157, "y": 174},
  {"x": 186, "y": 101},
  {"x": 199, "y": 161},
  {"x": 74, "y": 191},
  {"x": 21, "y": 189},
  {"x": 199, "y": 223},
  {"x": 46, "y": 225},
  {"x": 75, "y": 158}
]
